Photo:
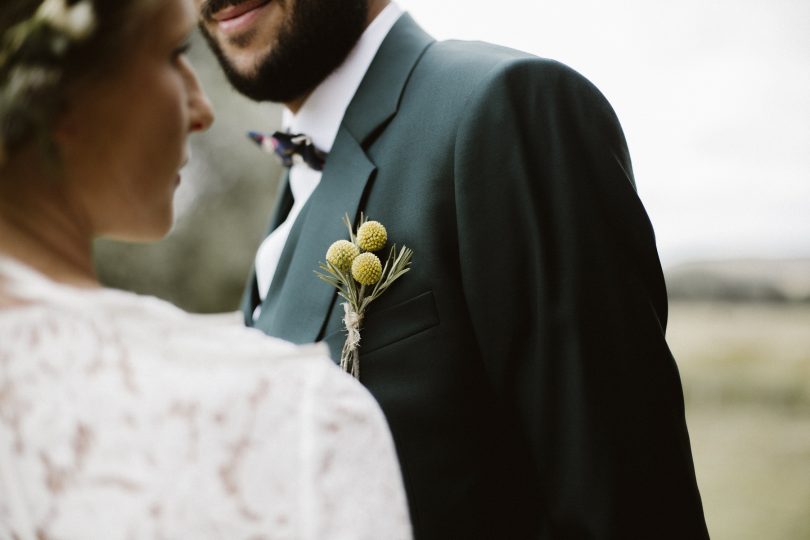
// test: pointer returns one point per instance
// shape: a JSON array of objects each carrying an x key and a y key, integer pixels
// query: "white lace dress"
[{"x": 122, "y": 417}]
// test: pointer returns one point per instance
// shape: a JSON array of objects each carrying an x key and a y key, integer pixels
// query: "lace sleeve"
[
  {"x": 125, "y": 415},
  {"x": 353, "y": 485}
]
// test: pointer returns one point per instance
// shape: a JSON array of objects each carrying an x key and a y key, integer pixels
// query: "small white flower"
[
  {"x": 54, "y": 12},
  {"x": 24, "y": 79},
  {"x": 77, "y": 21},
  {"x": 82, "y": 20}
]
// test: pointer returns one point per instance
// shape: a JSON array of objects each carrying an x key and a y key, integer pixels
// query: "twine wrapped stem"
[{"x": 350, "y": 355}]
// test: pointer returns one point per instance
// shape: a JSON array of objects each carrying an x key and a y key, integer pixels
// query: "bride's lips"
[{"x": 235, "y": 18}]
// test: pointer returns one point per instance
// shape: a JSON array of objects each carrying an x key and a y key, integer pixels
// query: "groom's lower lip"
[{"x": 234, "y": 18}]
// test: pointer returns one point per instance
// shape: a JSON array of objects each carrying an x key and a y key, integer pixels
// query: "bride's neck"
[{"x": 42, "y": 229}]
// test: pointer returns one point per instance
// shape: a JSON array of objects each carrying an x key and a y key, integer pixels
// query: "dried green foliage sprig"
[{"x": 360, "y": 278}]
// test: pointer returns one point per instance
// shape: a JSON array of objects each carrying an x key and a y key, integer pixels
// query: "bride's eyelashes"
[{"x": 181, "y": 51}]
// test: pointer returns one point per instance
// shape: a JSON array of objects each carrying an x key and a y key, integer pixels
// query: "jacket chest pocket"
[{"x": 388, "y": 325}]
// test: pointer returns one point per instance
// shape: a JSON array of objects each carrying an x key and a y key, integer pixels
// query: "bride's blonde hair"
[{"x": 46, "y": 47}]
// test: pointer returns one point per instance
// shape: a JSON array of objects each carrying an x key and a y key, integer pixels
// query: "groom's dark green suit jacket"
[{"x": 521, "y": 363}]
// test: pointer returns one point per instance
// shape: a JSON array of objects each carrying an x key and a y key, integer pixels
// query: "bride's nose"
[{"x": 201, "y": 113}]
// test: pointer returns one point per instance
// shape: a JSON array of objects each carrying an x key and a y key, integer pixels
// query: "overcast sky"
[{"x": 714, "y": 97}]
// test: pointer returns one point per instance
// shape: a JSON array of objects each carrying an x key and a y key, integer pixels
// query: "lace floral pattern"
[{"x": 124, "y": 417}]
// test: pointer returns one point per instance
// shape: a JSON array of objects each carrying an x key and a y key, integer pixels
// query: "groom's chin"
[
  {"x": 242, "y": 68},
  {"x": 263, "y": 81}
]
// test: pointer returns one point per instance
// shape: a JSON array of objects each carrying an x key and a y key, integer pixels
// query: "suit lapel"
[
  {"x": 377, "y": 99},
  {"x": 283, "y": 205},
  {"x": 298, "y": 302},
  {"x": 284, "y": 202}
]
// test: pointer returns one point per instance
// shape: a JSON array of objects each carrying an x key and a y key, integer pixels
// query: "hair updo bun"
[{"x": 45, "y": 47}]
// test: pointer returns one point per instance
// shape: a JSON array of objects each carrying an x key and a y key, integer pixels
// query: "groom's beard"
[{"x": 312, "y": 42}]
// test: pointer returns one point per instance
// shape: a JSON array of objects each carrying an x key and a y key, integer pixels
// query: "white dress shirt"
[{"x": 320, "y": 117}]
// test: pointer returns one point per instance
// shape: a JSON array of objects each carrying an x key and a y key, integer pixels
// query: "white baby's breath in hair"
[
  {"x": 31, "y": 53},
  {"x": 77, "y": 21},
  {"x": 26, "y": 79}
]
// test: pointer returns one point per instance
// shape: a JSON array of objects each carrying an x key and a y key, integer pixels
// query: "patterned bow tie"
[{"x": 286, "y": 146}]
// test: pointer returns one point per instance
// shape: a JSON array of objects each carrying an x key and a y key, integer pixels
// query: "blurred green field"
[{"x": 746, "y": 374}]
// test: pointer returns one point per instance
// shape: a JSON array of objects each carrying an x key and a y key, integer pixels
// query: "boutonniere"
[{"x": 353, "y": 268}]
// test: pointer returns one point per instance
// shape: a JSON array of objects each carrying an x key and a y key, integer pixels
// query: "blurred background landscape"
[{"x": 715, "y": 102}]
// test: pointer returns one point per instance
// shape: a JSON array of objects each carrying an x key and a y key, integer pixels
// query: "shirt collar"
[{"x": 321, "y": 114}]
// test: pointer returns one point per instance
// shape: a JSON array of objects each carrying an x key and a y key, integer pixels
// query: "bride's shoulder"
[
  {"x": 210, "y": 404},
  {"x": 39, "y": 315},
  {"x": 158, "y": 345}
]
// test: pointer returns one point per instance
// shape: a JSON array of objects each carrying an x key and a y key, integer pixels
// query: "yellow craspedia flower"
[
  {"x": 341, "y": 254},
  {"x": 371, "y": 236},
  {"x": 367, "y": 269}
]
